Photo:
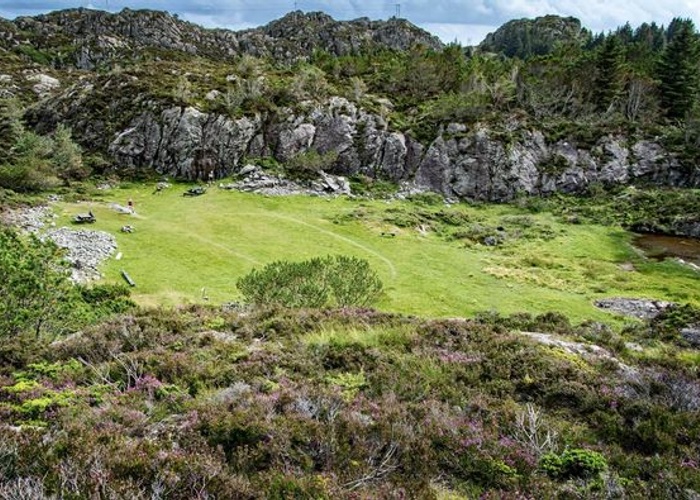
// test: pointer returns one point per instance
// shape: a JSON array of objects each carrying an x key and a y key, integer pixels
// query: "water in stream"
[{"x": 658, "y": 246}]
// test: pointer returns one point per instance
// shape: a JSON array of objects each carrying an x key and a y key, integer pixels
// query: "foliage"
[
  {"x": 309, "y": 164},
  {"x": 30, "y": 162},
  {"x": 37, "y": 297},
  {"x": 672, "y": 320},
  {"x": 66, "y": 156},
  {"x": 573, "y": 463},
  {"x": 107, "y": 299},
  {"x": 157, "y": 401},
  {"x": 642, "y": 210},
  {"x": 36, "y": 294},
  {"x": 337, "y": 281},
  {"x": 608, "y": 81},
  {"x": 526, "y": 38},
  {"x": 678, "y": 70}
]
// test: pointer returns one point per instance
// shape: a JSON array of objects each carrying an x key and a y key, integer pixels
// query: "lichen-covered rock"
[
  {"x": 637, "y": 308},
  {"x": 478, "y": 165},
  {"x": 184, "y": 143},
  {"x": 43, "y": 84}
]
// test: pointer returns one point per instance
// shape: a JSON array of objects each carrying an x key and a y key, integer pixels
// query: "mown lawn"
[{"x": 187, "y": 250}]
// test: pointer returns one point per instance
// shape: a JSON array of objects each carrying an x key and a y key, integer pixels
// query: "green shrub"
[
  {"x": 108, "y": 298},
  {"x": 573, "y": 463},
  {"x": 320, "y": 282},
  {"x": 36, "y": 294},
  {"x": 309, "y": 164}
]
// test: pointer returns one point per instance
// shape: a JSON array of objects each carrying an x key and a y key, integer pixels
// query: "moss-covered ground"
[{"x": 432, "y": 258}]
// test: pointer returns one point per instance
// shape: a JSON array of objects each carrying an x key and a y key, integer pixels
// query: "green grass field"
[{"x": 186, "y": 248}]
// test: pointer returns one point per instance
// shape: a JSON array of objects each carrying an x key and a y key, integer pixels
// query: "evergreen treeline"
[{"x": 642, "y": 77}]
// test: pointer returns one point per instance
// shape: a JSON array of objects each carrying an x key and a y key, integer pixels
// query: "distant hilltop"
[{"x": 88, "y": 37}]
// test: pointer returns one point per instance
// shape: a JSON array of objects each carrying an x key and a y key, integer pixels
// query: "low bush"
[
  {"x": 573, "y": 463},
  {"x": 308, "y": 165},
  {"x": 338, "y": 281}
]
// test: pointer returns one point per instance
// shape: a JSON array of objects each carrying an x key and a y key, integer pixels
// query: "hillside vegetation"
[{"x": 396, "y": 335}]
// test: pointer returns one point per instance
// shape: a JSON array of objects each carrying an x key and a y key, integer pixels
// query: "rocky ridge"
[{"x": 88, "y": 39}]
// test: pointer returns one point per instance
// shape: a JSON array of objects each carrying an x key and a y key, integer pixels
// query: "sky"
[{"x": 464, "y": 21}]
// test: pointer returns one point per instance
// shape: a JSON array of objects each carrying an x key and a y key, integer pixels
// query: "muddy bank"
[{"x": 660, "y": 246}]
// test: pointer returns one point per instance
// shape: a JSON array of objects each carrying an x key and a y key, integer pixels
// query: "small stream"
[{"x": 659, "y": 247}]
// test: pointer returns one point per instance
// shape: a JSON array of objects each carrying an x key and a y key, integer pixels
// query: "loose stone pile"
[
  {"x": 29, "y": 219},
  {"x": 85, "y": 250},
  {"x": 256, "y": 180}
]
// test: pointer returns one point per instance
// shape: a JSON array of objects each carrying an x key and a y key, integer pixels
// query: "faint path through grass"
[
  {"x": 389, "y": 264},
  {"x": 190, "y": 234}
]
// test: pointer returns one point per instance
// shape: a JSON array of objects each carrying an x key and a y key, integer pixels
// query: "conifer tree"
[
  {"x": 608, "y": 81},
  {"x": 679, "y": 70},
  {"x": 10, "y": 129}
]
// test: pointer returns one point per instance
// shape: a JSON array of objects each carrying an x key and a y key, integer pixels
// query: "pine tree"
[
  {"x": 608, "y": 80},
  {"x": 10, "y": 129},
  {"x": 679, "y": 71}
]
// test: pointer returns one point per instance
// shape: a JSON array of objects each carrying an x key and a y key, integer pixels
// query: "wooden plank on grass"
[{"x": 128, "y": 278}]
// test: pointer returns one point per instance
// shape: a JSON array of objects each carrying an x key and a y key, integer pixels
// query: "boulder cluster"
[
  {"x": 254, "y": 179},
  {"x": 85, "y": 249}
]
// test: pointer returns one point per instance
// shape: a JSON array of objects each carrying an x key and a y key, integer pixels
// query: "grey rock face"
[
  {"x": 185, "y": 143},
  {"x": 295, "y": 140},
  {"x": 460, "y": 163},
  {"x": 476, "y": 165},
  {"x": 101, "y": 37}
]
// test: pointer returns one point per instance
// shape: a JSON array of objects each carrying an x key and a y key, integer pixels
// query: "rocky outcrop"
[
  {"x": 528, "y": 37},
  {"x": 477, "y": 164},
  {"x": 189, "y": 144},
  {"x": 636, "y": 308},
  {"x": 185, "y": 143},
  {"x": 464, "y": 163},
  {"x": 98, "y": 38},
  {"x": 254, "y": 179}
]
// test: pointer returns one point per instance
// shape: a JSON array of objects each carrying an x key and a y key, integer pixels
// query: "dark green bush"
[
  {"x": 108, "y": 298},
  {"x": 320, "y": 282},
  {"x": 573, "y": 463}
]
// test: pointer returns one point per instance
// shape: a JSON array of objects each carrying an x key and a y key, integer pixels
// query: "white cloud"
[{"x": 465, "y": 34}]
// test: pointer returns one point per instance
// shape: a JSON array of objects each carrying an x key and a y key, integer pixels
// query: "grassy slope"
[{"x": 182, "y": 245}]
